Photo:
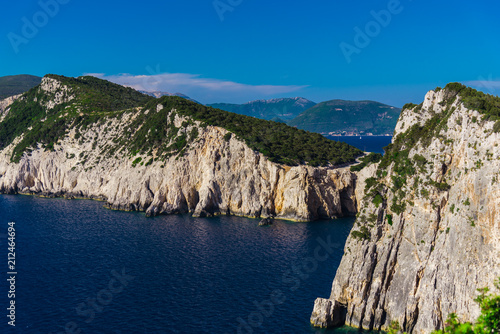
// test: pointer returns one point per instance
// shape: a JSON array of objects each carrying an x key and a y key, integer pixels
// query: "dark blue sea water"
[
  {"x": 85, "y": 269},
  {"x": 366, "y": 143}
]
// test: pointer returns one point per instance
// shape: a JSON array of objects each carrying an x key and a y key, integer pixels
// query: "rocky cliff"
[
  {"x": 5, "y": 104},
  {"x": 200, "y": 168},
  {"x": 428, "y": 232}
]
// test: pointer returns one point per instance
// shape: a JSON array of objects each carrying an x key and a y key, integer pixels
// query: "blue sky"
[{"x": 240, "y": 50}]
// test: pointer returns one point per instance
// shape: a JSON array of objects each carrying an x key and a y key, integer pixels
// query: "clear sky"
[{"x": 240, "y": 50}]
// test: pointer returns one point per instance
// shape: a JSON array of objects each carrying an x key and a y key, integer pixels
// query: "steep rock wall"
[{"x": 427, "y": 261}]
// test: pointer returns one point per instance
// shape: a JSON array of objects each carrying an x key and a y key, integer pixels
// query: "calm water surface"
[
  {"x": 82, "y": 266},
  {"x": 365, "y": 143}
]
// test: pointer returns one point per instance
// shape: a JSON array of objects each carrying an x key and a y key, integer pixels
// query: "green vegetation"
[
  {"x": 486, "y": 104},
  {"x": 278, "y": 110},
  {"x": 97, "y": 95},
  {"x": 277, "y": 141},
  {"x": 488, "y": 322},
  {"x": 409, "y": 106},
  {"x": 362, "y": 234},
  {"x": 442, "y": 186},
  {"x": 365, "y": 161},
  {"x": 227, "y": 136},
  {"x": 389, "y": 219},
  {"x": 136, "y": 161},
  {"x": 420, "y": 161},
  {"x": 377, "y": 200},
  {"x": 370, "y": 182},
  {"x": 17, "y": 84},
  {"x": 496, "y": 127},
  {"x": 94, "y": 98},
  {"x": 357, "y": 116},
  {"x": 394, "y": 328}
]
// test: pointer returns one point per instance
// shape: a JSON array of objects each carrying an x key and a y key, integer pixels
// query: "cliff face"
[
  {"x": 428, "y": 233},
  {"x": 214, "y": 174}
]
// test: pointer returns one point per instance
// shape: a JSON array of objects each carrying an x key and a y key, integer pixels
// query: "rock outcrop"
[
  {"x": 428, "y": 232},
  {"x": 213, "y": 175},
  {"x": 5, "y": 104}
]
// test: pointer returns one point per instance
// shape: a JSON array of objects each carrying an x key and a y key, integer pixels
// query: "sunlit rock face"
[{"x": 426, "y": 259}]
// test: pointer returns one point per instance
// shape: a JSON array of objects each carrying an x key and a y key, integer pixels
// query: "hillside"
[
  {"x": 283, "y": 109},
  {"x": 158, "y": 94},
  {"x": 17, "y": 84},
  {"x": 86, "y": 137},
  {"x": 427, "y": 234},
  {"x": 82, "y": 101},
  {"x": 339, "y": 117}
]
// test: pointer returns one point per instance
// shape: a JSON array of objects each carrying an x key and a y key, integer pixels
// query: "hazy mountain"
[
  {"x": 348, "y": 117},
  {"x": 283, "y": 108},
  {"x": 17, "y": 84}
]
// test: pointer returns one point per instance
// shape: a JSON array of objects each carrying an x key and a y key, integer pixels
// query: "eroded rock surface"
[{"x": 426, "y": 259}]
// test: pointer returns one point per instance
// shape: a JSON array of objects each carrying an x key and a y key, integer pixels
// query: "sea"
[
  {"x": 76, "y": 267},
  {"x": 81, "y": 268},
  {"x": 374, "y": 144}
]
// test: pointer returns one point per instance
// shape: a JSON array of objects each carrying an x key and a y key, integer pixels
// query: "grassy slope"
[{"x": 355, "y": 116}]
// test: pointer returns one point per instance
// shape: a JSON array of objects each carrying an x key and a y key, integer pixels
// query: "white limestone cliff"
[
  {"x": 431, "y": 259},
  {"x": 213, "y": 176}
]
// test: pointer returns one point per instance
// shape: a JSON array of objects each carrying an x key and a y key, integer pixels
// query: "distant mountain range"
[
  {"x": 283, "y": 109},
  {"x": 340, "y": 117},
  {"x": 17, "y": 84},
  {"x": 335, "y": 117}
]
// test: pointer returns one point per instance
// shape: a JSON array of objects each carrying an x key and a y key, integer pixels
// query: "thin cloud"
[
  {"x": 488, "y": 86},
  {"x": 207, "y": 90}
]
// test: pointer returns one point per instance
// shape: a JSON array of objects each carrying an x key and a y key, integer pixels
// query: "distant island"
[
  {"x": 333, "y": 118},
  {"x": 349, "y": 118}
]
